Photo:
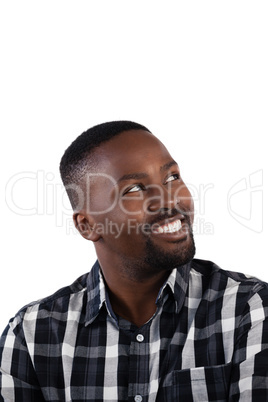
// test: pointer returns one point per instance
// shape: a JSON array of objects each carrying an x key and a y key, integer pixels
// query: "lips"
[
  {"x": 172, "y": 227},
  {"x": 169, "y": 226}
]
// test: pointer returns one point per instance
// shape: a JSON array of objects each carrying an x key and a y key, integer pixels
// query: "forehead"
[{"x": 129, "y": 151}]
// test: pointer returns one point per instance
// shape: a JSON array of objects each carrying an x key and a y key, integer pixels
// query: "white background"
[{"x": 195, "y": 73}]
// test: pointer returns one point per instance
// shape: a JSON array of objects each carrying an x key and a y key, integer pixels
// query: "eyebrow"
[
  {"x": 141, "y": 175},
  {"x": 168, "y": 165}
]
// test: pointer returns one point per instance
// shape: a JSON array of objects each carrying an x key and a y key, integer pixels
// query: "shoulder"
[
  {"x": 56, "y": 305},
  {"x": 225, "y": 281},
  {"x": 210, "y": 269}
]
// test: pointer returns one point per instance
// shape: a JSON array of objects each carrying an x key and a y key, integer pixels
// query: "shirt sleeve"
[
  {"x": 249, "y": 376},
  {"x": 18, "y": 381}
]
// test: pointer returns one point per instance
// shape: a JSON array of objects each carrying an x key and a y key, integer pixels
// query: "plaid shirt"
[{"x": 207, "y": 341}]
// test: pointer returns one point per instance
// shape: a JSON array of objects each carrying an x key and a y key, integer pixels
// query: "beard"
[
  {"x": 161, "y": 260},
  {"x": 156, "y": 259}
]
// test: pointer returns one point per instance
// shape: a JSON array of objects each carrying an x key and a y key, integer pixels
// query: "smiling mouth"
[{"x": 172, "y": 227}]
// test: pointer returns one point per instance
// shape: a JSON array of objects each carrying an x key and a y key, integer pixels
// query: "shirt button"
[
  {"x": 140, "y": 338},
  {"x": 138, "y": 398}
]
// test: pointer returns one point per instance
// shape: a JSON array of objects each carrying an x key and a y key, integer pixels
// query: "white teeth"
[{"x": 170, "y": 227}]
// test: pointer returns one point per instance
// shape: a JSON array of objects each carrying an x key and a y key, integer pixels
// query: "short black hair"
[{"x": 76, "y": 161}]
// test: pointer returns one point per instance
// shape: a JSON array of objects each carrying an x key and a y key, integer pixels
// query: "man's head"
[{"x": 129, "y": 198}]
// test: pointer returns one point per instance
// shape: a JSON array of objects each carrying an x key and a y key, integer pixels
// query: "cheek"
[
  {"x": 117, "y": 225},
  {"x": 192, "y": 210},
  {"x": 132, "y": 205},
  {"x": 185, "y": 199}
]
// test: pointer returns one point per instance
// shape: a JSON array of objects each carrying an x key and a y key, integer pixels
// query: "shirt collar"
[
  {"x": 95, "y": 293},
  {"x": 177, "y": 281}
]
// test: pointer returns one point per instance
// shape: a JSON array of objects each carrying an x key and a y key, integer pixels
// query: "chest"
[{"x": 158, "y": 362}]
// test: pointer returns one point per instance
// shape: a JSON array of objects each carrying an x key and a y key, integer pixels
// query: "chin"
[{"x": 161, "y": 259}]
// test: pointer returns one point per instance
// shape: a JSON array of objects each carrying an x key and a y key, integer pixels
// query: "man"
[{"x": 148, "y": 322}]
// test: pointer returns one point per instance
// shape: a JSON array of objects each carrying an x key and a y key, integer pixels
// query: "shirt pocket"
[{"x": 201, "y": 384}]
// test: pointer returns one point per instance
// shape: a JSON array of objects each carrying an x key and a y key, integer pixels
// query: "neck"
[{"x": 132, "y": 299}]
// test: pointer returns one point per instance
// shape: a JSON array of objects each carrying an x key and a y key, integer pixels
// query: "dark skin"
[{"x": 141, "y": 186}]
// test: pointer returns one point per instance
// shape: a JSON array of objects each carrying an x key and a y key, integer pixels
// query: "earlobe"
[{"x": 85, "y": 227}]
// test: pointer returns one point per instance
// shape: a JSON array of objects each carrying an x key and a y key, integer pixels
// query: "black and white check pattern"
[{"x": 208, "y": 341}]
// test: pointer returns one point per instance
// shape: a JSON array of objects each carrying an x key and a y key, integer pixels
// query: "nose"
[{"x": 161, "y": 198}]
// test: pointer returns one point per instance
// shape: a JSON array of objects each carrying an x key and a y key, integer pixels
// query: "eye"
[
  {"x": 173, "y": 177},
  {"x": 133, "y": 189}
]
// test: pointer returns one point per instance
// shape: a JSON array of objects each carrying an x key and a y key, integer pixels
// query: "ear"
[{"x": 85, "y": 226}]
